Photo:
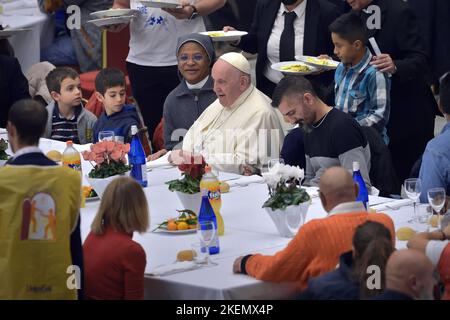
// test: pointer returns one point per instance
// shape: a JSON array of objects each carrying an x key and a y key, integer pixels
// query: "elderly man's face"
[
  {"x": 358, "y": 4},
  {"x": 193, "y": 62},
  {"x": 228, "y": 84}
]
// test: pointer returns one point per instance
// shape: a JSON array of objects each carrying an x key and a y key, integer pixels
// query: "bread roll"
[
  {"x": 405, "y": 233},
  {"x": 54, "y": 155},
  {"x": 185, "y": 255}
]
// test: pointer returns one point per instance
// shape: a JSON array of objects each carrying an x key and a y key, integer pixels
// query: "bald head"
[
  {"x": 229, "y": 82},
  {"x": 409, "y": 271},
  {"x": 336, "y": 187}
]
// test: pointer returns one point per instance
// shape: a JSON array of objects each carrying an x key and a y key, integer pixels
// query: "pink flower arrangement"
[{"x": 109, "y": 157}]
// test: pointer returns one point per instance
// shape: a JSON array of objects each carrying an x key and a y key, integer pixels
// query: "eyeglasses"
[{"x": 196, "y": 58}]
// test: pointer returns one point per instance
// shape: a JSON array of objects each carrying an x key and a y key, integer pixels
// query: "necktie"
[{"x": 287, "y": 40}]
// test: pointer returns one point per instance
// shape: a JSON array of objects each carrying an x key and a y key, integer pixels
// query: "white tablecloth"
[
  {"x": 248, "y": 229},
  {"x": 27, "y": 45}
]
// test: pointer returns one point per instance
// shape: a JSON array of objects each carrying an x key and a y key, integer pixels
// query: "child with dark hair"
[
  {"x": 67, "y": 118},
  {"x": 372, "y": 246},
  {"x": 110, "y": 89},
  {"x": 360, "y": 89}
]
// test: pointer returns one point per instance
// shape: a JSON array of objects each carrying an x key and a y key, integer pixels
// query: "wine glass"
[
  {"x": 206, "y": 231},
  {"x": 106, "y": 135},
  {"x": 273, "y": 162},
  {"x": 413, "y": 188},
  {"x": 436, "y": 198}
]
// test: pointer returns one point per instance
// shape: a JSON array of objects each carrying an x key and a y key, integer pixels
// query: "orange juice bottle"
[
  {"x": 71, "y": 157},
  {"x": 212, "y": 184}
]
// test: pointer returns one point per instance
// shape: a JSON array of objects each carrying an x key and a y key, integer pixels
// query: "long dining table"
[{"x": 248, "y": 229}]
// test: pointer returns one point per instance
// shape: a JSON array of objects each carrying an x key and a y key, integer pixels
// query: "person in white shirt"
[{"x": 151, "y": 62}]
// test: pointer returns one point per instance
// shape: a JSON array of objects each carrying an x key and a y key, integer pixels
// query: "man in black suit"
[
  {"x": 413, "y": 107},
  {"x": 26, "y": 124},
  {"x": 318, "y": 15},
  {"x": 13, "y": 86}
]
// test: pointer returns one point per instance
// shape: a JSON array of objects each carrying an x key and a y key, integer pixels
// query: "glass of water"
[
  {"x": 413, "y": 188},
  {"x": 106, "y": 135},
  {"x": 436, "y": 198}
]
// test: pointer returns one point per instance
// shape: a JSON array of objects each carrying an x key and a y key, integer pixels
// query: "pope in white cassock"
[{"x": 240, "y": 131}]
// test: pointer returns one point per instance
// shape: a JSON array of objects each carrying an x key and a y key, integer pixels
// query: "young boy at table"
[
  {"x": 118, "y": 116},
  {"x": 360, "y": 89},
  {"x": 67, "y": 117},
  {"x": 114, "y": 263}
]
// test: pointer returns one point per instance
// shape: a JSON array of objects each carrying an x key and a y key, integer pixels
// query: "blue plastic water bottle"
[
  {"x": 363, "y": 195},
  {"x": 207, "y": 214},
  {"x": 136, "y": 157}
]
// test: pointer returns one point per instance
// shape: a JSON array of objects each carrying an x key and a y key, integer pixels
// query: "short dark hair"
[
  {"x": 57, "y": 76},
  {"x": 350, "y": 27},
  {"x": 292, "y": 85},
  {"x": 444, "y": 92},
  {"x": 109, "y": 78},
  {"x": 29, "y": 117}
]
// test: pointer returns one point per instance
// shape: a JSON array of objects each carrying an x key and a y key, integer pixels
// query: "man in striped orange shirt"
[{"x": 318, "y": 244}]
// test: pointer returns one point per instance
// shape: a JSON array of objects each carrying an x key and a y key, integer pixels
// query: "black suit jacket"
[
  {"x": 319, "y": 15},
  {"x": 76, "y": 250},
  {"x": 13, "y": 86},
  {"x": 413, "y": 106}
]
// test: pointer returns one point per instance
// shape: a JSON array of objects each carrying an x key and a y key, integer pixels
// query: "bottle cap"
[
  {"x": 355, "y": 166},
  {"x": 208, "y": 169},
  {"x": 69, "y": 143},
  {"x": 134, "y": 129}
]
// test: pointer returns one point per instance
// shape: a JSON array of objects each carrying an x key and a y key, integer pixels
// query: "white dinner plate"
[
  {"x": 324, "y": 64},
  {"x": 111, "y": 21},
  {"x": 164, "y": 230},
  {"x": 225, "y": 36},
  {"x": 91, "y": 199},
  {"x": 114, "y": 13},
  {"x": 161, "y": 4},
  {"x": 281, "y": 66},
  {"x": 11, "y": 32}
]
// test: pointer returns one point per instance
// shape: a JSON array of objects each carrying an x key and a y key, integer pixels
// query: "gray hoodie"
[{"x": 85, "y": 123}]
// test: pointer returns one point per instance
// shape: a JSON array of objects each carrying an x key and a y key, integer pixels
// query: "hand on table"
[
  {"x": 156, "y": 155},
  {"x": 384, "y": 63}
]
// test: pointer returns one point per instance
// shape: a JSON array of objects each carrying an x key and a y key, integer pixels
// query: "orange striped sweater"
[{"x": 315, "y": 249}]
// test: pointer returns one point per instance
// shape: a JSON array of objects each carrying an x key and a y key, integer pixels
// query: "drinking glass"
[
  {"x": 106, "y": 135},
  {"x": 436, "y": 198},
  {"x": 413, "y": 188},
  {"x": 273, "y": 162},
  {"x": 207, "y": 233}
]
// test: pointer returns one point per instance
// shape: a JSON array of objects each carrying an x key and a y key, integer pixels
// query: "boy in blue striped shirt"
[{"x": 360, "y": 89}]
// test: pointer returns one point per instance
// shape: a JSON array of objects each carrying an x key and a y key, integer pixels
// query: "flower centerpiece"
[
  {"x": 188, "y": 187},
  {"x": 3, "y": 155},
  {"x": 110, "y": 161},
  {"x": 288, "y": 202}
]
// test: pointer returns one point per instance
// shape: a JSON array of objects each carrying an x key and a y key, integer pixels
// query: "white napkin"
[
  {"x": 160, "y": 162},
  {"x": 173, "y": 268},
  {"x": 245, "y": 181},
  {"x": 312, "y": 191},
  {"x": 392, "y": 205},
  {"x": 18, "y": 5}
]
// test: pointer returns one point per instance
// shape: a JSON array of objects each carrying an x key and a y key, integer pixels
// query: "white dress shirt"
[{"x": 273, "y": 46}]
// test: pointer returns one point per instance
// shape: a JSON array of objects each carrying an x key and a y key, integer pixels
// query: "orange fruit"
[
  {"x": 192, "y": 226},
  {"x": 171, "y": 226},
  {"x": 182, "y": 225}
]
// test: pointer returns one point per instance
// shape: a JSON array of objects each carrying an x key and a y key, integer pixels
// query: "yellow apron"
[{"x": 38, "y": 211}]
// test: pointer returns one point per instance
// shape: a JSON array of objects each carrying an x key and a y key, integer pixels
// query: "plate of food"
[
  {"x": 294, "y": 68},
  {"x": 325, "y": 64},
  {"x": 111, "y": 21},
  {"x": 186, "y": 222},
  {"x": 161, "y": 4},
  {"x": 6, "y": 33},
  {"x": 90, "y": 194},
  {"x": 114, "y": 13},
  {"x": 225, "y": 36}
]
